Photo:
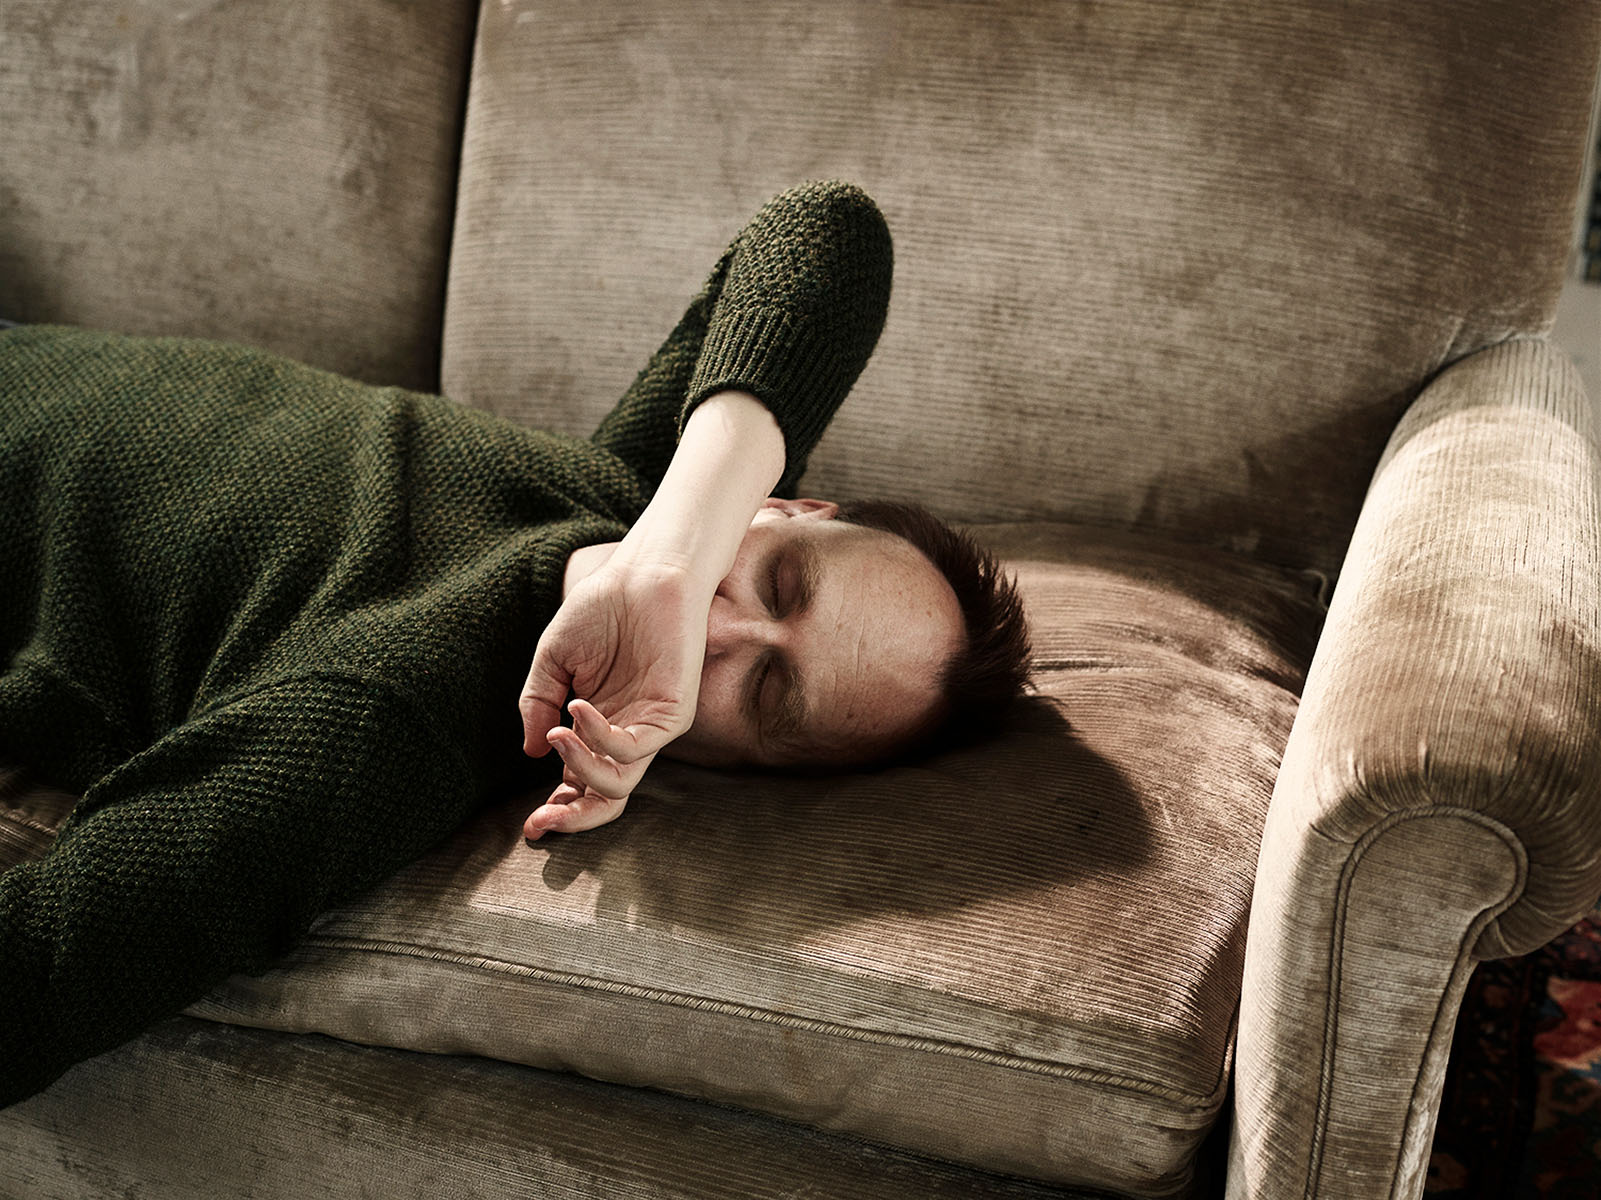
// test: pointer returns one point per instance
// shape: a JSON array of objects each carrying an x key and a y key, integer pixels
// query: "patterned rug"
[{"x": 1521, "y": 1114}]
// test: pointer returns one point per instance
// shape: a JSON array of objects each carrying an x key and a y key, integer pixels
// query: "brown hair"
[{"x": 991, "y": 669}]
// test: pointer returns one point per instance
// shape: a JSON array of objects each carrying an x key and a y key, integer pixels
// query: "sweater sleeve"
[
  {"x": 208, "y": 854},
  {"x": 791, "y": 314}
]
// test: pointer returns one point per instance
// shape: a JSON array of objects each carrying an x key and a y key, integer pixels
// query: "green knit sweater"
[{"x": 271, "y": 624}]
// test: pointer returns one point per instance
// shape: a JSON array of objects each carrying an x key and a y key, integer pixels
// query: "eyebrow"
[{"x": 789, "y": 719}]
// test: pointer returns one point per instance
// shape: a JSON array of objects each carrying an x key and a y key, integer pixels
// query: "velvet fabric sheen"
[
  {"x": 1437, "y": 802},
  {"x": 272, "y": 623},
  {"x": 1184, "y": 265},
  {"x": 194, "y": 1110},
  {"x": 280, "y": 175}
]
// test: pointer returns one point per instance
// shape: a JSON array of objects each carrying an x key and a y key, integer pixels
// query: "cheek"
[
  {"x": 717, "y": 708},
  {"x": 716, "y": 739}
]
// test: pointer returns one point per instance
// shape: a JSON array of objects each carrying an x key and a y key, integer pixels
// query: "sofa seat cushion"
[
  {"x": 193, "y": 1110},
  {"x": 1024, "y": 957}
]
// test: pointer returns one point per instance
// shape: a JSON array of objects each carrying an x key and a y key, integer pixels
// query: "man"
[{"x": 267, "y": 622}]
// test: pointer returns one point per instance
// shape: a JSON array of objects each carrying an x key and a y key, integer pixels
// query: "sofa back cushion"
[
  {"x": 1164, "y": 266},
  {"x": 279, "y": 174}
]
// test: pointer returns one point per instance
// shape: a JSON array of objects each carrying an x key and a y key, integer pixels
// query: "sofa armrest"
[{"x": 1439, "y": 800}]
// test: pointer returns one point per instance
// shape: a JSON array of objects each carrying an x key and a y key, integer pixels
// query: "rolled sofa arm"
[{"x": 1439, "y": 800}]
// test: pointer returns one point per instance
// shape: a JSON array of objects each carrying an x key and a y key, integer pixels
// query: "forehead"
[{"x": 882, "y": 625}]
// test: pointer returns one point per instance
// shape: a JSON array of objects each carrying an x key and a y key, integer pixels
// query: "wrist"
[
  {"x": 729, "y": 458},
  {"x": 735, "y": 435}
]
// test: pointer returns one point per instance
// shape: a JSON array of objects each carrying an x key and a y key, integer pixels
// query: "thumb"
[
  {"x": 570, "y": 810},
  {"x": 543, "y": 694}
]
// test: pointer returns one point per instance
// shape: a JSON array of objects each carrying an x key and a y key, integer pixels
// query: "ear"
[{"x": 816, "y": 510}]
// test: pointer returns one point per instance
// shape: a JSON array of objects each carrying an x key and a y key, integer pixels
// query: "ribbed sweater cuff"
[{"x": 801, "y": 378}]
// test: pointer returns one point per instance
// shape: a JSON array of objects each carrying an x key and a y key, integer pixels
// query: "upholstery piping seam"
[
  {"x": 750, "y": 1012},
  {"x": 1469, "y": 939},
  {"x": 1336, "y": 944},
  {"x": 1463, "y": 948},
  {"x": 22, "y": 821}
]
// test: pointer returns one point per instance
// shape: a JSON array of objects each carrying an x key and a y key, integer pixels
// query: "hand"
[
  {"x": 629, "y": 642},
  {"x": 630, "y": 639}
]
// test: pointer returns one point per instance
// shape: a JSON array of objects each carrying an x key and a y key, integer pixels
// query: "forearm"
[
  {"x": 770, "y": 348},
  {"x": 789, "y": 315},
  {"x": 729, "y": 458},
  {"x": 800, "y": 311},
  {"x": 208, "y": 854},
  {"x": 630, "y": 638},
  {"x": 101, "y": 938}
]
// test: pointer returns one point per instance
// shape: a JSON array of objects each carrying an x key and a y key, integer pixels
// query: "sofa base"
[{"x": 199, "y": 1110}]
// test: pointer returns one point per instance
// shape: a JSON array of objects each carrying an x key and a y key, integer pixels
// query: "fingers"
[
  {"x": 621, "y": 745},
  {"x": 541, "y": 700},
  {"x": 596, "y": 772},
  {"x": 571, "y": 809},
  {"x": 595, "y": 785}
]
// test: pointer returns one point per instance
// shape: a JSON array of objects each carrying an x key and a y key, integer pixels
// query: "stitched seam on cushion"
[
  {"x": 1337, "y": 941},
  {"x": 23, "y": 822},
  {"x": 750, "y": 1012}
]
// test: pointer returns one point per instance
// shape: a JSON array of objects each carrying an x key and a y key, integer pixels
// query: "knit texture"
[
  {"x": 272, "y": 623},
  {"x": 791, "y": 314}
]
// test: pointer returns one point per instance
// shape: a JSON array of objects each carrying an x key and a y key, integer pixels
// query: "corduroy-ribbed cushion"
[
  {"x": 1024, "y": 957},
  {"x": 1170, "y": 267}
]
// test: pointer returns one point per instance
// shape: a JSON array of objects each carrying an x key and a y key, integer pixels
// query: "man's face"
[{"x": 824, "y": 645}]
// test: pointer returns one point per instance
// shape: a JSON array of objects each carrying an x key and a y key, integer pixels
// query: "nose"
[{"x": 732, "y": 627}]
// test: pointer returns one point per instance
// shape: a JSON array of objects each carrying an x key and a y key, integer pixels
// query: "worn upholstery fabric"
[
  {"x": 1440, "y": 799},
  {"x": 199, "y": 1111},
  {"x": 1182, "y": 265},
  {"x": 1025, "y": 960},
  {"x": 278, "y": 174}
]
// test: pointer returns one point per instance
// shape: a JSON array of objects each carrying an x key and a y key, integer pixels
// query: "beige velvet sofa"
[{"x": 1199, "y": 309}]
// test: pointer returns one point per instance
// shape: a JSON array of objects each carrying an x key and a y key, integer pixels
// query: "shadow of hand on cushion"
[{"x": 1030, "y": 811}]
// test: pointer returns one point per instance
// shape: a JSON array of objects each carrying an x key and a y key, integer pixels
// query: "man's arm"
[
  {"x": 790, "y": 314},
  {"x": 751, "y": 376},
  {"x": 208, "y": 854},
  {"x": 631, "y": 638}
]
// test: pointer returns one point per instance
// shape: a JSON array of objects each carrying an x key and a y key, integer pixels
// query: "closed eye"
[
  {"x": 772, "y": 585},
  {"x": 758, "y": 683},
  {"x": 790, "y": 581}
]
